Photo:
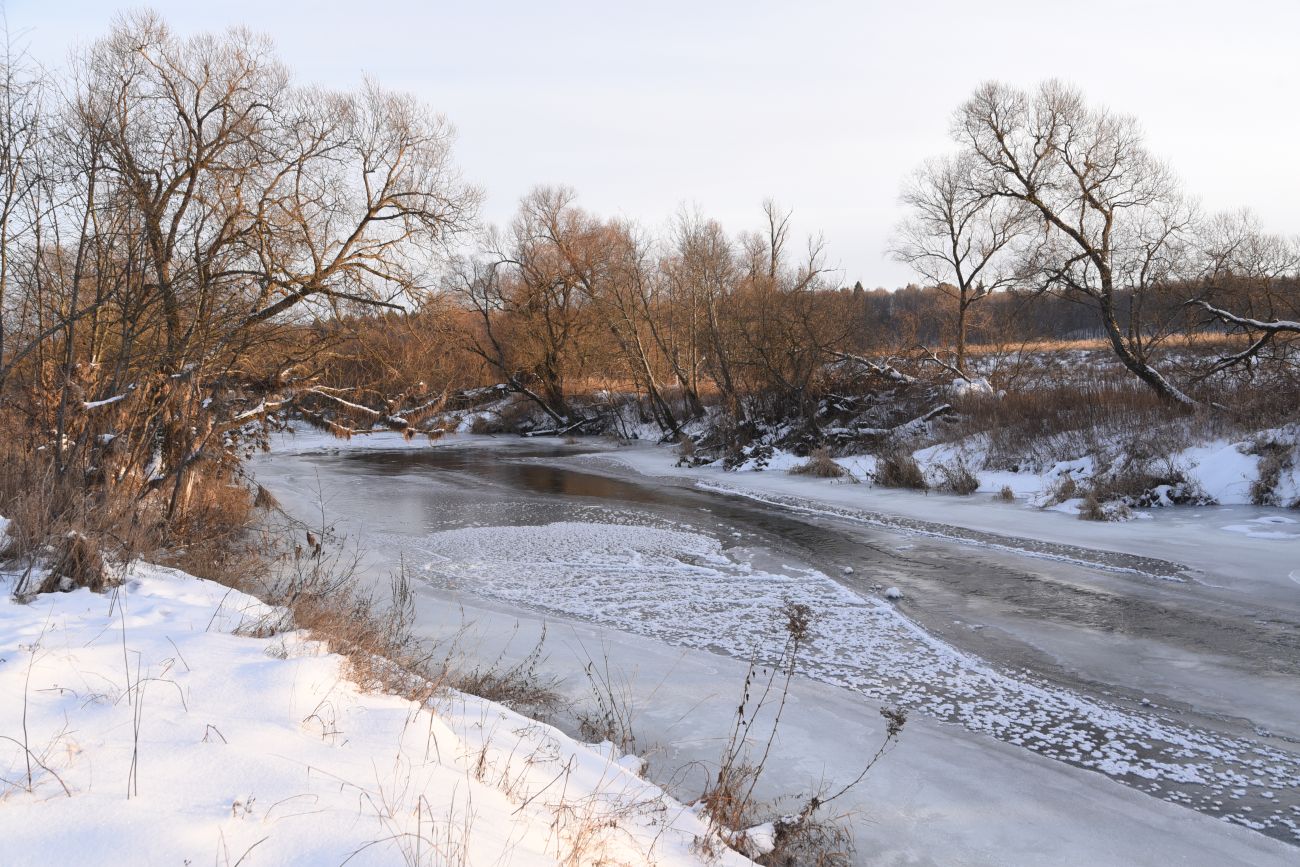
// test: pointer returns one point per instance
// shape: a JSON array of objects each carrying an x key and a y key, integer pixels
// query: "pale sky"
[{"x": 824, "y": 106}]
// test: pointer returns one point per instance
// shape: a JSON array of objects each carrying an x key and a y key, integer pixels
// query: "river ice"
[{"x": 687, "y": 589}]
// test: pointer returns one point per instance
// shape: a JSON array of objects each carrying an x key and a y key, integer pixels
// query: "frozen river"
[{"x": 1006, "y": 654}]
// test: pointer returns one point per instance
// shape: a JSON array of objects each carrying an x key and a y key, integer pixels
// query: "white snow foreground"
[{"x": 155, "y": 734}]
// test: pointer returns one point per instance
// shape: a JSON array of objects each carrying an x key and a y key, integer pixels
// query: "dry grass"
[
  {"x": 1064, "y": 488},
  {"x": 1207, "y": 340},
  {"x": 822, "y": 465},
  {"x": 1096, "y": 509},
  {"x": 608, "y": 715},
  {"x": 956, "y": 478},
  {"x": 519, "y": 686},
  {"x": 315, "y": 581},
  {"x": 810, "y": 843},
  {"x": 898, "y": 469},
  {"x": 65, "y": 534}
]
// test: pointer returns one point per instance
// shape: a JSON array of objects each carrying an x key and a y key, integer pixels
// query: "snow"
[
  {"x": 1222, "y": 470},
  {"x": 261, "y": 749},
  {"x": 943, "y": 796},
  {"x": 1255, "y": 528},
  {"x": 95, "y": 404}
]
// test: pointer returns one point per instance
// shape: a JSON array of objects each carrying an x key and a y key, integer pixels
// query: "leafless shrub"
[
  {"x": 957, "y": 478},
  {"x": 728, "y": 800},
  {"x": 1006, "y": 495},
  {"x": 687, "y": 453},
  {"x": 811, "y": 838},
  {"x": 898, "y": 469},
  {"x": 822, "y": 465}
]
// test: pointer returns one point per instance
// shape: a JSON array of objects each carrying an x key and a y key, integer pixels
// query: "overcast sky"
[{"x": 825, "y": 106}]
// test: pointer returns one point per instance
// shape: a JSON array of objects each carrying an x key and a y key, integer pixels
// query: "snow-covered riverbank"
[
  {"x": 1249, "y": 549},
  {"x": 141, "y": 727}
]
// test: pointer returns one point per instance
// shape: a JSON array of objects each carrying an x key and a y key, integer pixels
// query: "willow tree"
[{"x": 1111, "y": 222}]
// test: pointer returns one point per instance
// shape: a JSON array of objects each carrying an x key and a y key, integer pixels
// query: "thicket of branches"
[{"x": 174, "y": 211}]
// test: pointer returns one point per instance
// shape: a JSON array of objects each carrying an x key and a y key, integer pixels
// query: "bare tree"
[
  {"x": 192, "y": 203},
  {"x": 531, "y": 292},
  {"x": 1110, "y": 215},
  {"x": 702, "y": 273},
  {"x": 958, "y": 236},
  {"x": 1249, "y": 283},
  {"x": 21, "y": 99}
]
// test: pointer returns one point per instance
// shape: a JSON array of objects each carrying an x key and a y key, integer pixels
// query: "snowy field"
[{"x": 141, "y": 727}]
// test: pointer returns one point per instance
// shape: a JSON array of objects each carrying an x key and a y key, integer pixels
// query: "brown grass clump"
[
  {"x": 898, "y": 469},
  {"x": 68, "y": 535},
  {"x": 1006, "y": 495},
  {"x": 1064, "y": 488},
  {"x": 1095, "y": 509},
  {"x": 812, "y": 842},
  {"x": 76, "y": 562},
  {"x": 957, "y": 478},
  {"x": 820, "y": 464}
]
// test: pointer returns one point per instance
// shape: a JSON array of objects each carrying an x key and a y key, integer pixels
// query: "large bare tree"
[
  {"x": 1111, "y": 220},
  {"x": 192, "y": 201},
  {"x": 1249, "y": 283}
]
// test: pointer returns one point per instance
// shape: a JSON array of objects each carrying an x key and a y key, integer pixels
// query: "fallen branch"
[
  {"x": 888, "y": 371},
  {"x": 1268, "y": 331},
  {"x": 951, "y": 368}
]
